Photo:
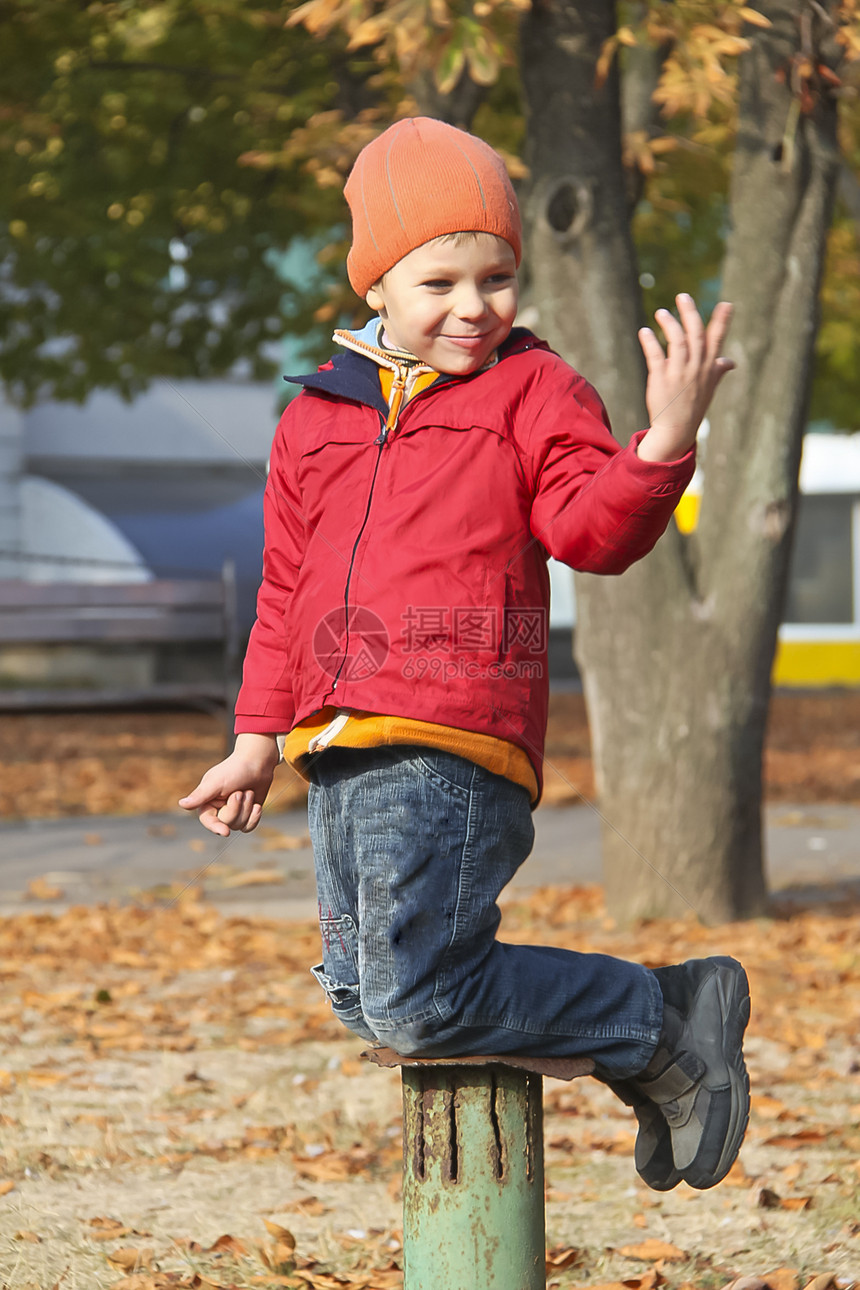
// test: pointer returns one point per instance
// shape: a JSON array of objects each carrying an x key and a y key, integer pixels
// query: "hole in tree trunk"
[{"x": 562, "y": 207}]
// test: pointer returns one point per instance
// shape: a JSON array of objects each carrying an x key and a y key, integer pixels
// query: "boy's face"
[{"x": 450, "y": 302}]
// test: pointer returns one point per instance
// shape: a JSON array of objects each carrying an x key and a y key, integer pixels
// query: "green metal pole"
[{"x": 473, "y": 1182}]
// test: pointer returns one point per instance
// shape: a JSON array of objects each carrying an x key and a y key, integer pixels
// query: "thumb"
[{"x": 205, "y": 792}]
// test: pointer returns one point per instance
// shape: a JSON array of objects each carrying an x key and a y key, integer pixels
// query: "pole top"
[{"x": 566, "y": 1068}]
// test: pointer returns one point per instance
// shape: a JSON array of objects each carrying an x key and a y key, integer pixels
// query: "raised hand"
[{"x": 681, "y": 379}]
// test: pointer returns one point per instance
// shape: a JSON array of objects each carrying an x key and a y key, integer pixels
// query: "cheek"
[
  {"x": 430, "y": 320},
  {"x": 510, "y": 309}
]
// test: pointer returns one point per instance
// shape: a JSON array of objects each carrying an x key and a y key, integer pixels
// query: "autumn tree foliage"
[{"x": 137, "y": 236}]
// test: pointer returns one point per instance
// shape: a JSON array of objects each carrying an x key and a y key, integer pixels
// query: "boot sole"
[{"x": 733, "y": 988}]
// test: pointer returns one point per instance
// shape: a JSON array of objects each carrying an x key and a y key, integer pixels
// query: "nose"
[{"x": 470, "y": 304}]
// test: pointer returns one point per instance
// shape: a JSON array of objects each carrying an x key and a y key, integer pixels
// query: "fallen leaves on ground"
[
  {"x": 180, "y": 1109},
  {"x": 653, "y": 1250},
  {"x": 112, "y": 763},
  {"x": 41, "y": 889},
  {"x": 135, "y": 763}
]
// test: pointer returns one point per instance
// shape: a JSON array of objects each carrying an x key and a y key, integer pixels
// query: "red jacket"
[{"x": 405, "y": 573}]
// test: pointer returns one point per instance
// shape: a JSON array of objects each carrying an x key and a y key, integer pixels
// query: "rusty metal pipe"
[{"x": 473, "y": 1182}]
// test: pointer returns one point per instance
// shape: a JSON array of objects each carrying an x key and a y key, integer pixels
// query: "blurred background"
[{"x": 172, "y": 240}]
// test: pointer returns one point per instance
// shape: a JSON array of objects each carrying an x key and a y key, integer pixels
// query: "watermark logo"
[
  {"x": 439, "y": 642},
  {"x": 351, "y": 643},
  {"x": 471, "y": 629}
]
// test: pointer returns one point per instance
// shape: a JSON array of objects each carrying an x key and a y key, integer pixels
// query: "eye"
[
  {"x": 437, "y": 284},
  {"x": 499, "y": 279}
]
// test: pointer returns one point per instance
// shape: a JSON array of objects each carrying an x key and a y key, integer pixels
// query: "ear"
[{"x": 375, "y": 298}]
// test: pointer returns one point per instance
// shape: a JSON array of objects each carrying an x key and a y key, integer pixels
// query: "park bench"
[
  {"x": 473, "y": 1177},
  {"x": 122, "y": 616}
]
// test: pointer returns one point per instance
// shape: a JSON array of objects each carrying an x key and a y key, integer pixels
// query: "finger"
[
  {"x": 208, "y": 817},
  {"x": 254, "y": 818},
  {"x": 210, "y": 789},
  {"x": 246, "y": 808},
  {"x": 691, "y": 321},
  {"x": 651, "y": 348},
  {"x": 240, "y": 811},
  {"x": 195, "y": 798},
  {"x": 676, "y": 336},
  {"x": 234, "y": 811},
  {"x": 721, "y": 366},
  {"x": 718, "y": 329}
]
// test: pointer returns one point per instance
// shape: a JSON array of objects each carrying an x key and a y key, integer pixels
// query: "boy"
[{"x": 417, "y": 485}]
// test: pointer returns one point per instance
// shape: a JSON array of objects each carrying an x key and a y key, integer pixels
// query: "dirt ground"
[
  {"x": 179, "y": 1109},
  {"x": 134, "y": 763}
]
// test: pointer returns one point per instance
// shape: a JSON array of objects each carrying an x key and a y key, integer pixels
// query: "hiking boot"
[
  {"x": 697, "y": 1077},
  {"x": 655, "y": 1163}
]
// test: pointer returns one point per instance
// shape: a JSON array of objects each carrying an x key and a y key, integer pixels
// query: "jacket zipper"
[
  {"x": 389, "y": 426},
  {"x": 398, "y": 389},
  {"x": 380, "y": 441}
]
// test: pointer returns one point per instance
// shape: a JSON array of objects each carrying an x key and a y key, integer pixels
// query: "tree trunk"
[
  {"x": 676, "y": 654},
  {"x": 457, "y": 106}
]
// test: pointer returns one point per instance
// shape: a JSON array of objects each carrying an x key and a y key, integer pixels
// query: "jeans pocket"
[{"x": 446, "y": 770}]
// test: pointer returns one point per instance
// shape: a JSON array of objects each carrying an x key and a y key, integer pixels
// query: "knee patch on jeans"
[{"x": 338, "y": 973}]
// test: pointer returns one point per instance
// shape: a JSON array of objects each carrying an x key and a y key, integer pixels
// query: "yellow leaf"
[
  {"x": 604, "y": 62},
  {"x": 310, "y": 1205},
  {"x": 44, "y": 1079},
  {"x": 280, "y": 1233},
  {"x": 230, "y": 1243},
  {"x": 128, "y": 1257},
  {"x": 41, "y": 889},
  {"x": 277, "y": 840},
  {"x": 652, "y": 1250},
  {"x": 782, "y": 1279},
  {"x": 561, "y": 1260},
  {"x": 6, "y": 1186},
  {"x": 754, "y": 17},
  {"x": 254, "y": 878},
  {"x": 369, "y": 32}
]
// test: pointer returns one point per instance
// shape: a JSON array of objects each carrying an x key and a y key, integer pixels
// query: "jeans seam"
[
  {"x": 464, "y": 896},
  {"x": 636, "y": 1035},
  {"x": 408, "y": 1019}
]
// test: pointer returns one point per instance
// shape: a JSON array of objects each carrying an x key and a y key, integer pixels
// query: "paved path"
[{"x": 811, "y": 850}]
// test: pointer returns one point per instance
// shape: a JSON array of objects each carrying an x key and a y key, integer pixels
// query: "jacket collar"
[{"x": 355, "y": 376}]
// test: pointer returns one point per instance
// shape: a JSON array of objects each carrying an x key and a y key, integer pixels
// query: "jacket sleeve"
[
  {"x": 265, "y": 704},
  {"x": 597, "y": 506}
]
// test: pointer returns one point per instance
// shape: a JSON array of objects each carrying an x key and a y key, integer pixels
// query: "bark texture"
[{"x": 676, "y": 654}]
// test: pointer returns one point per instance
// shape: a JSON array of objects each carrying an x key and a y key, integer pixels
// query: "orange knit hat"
[{"x": 418, "y": 180}]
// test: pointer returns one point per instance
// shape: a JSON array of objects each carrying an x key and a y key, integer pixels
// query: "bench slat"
[
  {"x": 159, "y": 612},
  {"x": 93, "y": 626},
  {"x": 16, "y": 595},
  {"x": 168, "y": 692}
]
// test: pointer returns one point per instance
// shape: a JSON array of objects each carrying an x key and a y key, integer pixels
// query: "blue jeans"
[{"x": 412, "y": 847}]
